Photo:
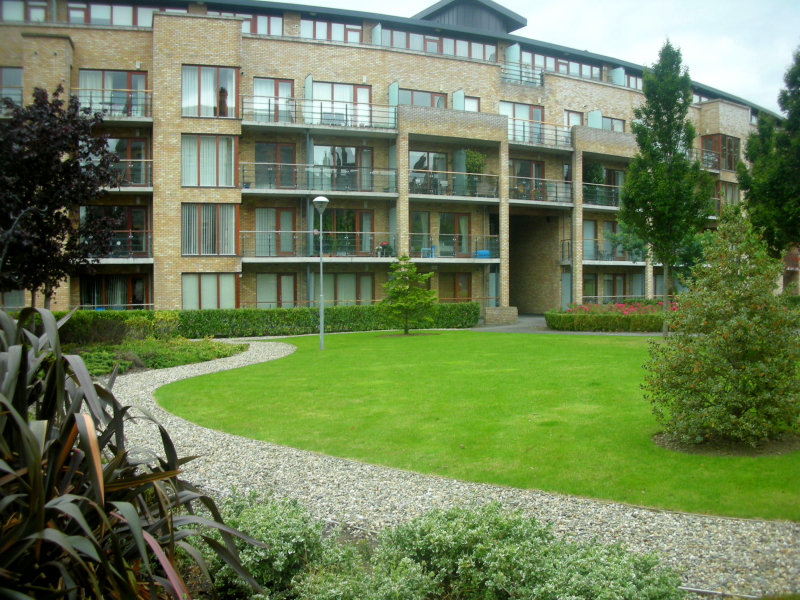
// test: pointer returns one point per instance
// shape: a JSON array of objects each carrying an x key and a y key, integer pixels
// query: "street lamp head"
[{"x": 320, "y": 203}]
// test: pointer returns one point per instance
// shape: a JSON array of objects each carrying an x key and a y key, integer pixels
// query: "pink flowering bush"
[
  {"x": 641, "y": 316},
  {"x": 625, "y": 308}
]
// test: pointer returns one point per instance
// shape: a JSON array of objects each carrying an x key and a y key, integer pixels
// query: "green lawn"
[{"x": 550, "y": 412}]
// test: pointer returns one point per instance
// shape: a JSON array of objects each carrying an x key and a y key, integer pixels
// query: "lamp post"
[{"x": 320, "y": 203}]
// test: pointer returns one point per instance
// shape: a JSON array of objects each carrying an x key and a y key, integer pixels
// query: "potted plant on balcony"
[{"x": 476, "y": 163}]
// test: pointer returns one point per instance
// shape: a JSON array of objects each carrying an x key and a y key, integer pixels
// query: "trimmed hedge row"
[
  {"x": 579, "y": 321},
  {"x": 114, "y": 326}
]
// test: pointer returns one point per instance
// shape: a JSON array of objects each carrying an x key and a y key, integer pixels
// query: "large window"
[
  {"x": 115, "y": 292},
  {"x": 455, "y": 287},
  {"x": 421, "y": 244},
  {"x": 275, "y": 232},
  {"x": 118, "y": 15},
  {"x": 726, "y": 146},
  {"x": 260, "y": 24},
  {"x": 208, "y": 160},
  {"x": 274, "y": 166},
  {"x": 632, "y": 81},
  {"x": 209, "y": 92},
  {"x": 276, "y": 290},
  {"x": 341, "y": 168},
  {"x": 438, "y": 45},
  {"x": 526, "y": 179},
  {"x": 610, "y": 124},
  {"x": 210, "y": 290},
  {"x": 208, "y": 229},
  {"x": 417, "y": 98},
  {"x": 341, "y": 104},
  {"x": 11, "y": 85},
  {"x": 453, "y": 234},
  {"x": 345, "y": 289},
  {"x": 348, "y": 232},
  {"x": 118, "y": 93},
  {"x": 17, "y": 10},
  {"x": 132, "y": 234},
  {"x": 524, "y": 122},
  {"x": 13, "y": 300},
  {"x": 428, "y": 173},
  {"x": 273, "y": 100},
  {"x": 133, "y": 164},
  {"x": 324, "y": 30},
  {"x": 560, "y": 65}
]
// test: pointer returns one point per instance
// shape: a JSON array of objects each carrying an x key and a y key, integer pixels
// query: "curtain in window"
[
  {"x": 263, "y": 100},
  {"x": 366, "y": 285},
  {"x": 463, "y": 237},
  {"x": 365, "y": 237},
  {"x": 189, "y": 94},
  {"x": 287, "y": 237},
  {"x": 116, "y": 292},
  {"x": 226, "y": 159},
  {"x": 209, "y": 91},
  {"x": 189, "y": 229},
  {"x": 91, "y": 291},
  {"x": 190, "y": 291},
  {"x": 208, "y": 229},
  {"x": 265, "y": 228},
  {"x": 227, "y": 99},
  {"x": 208, "y": 290},
  {"x": 267, "y": 290},
  {"x": 227, "y": 229},
  {"x": 346, "y": 289},
  {"x": 227, "y": 290},
  {"x": 343, "y": 105},
  {"x": 189, "y": 160},
  {"x": 91, "y": 94},
  {"x": 115, "y": 96},
  {"x": 208, "y": 160}
]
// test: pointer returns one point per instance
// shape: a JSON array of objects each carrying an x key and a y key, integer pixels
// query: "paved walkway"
[{"x": 536, "y": 324}]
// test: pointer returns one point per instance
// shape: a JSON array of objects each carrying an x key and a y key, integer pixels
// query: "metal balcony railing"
[
  {"x": 135, "y": 173},
  {"x": 522, "y": 73},
  {"x": 448, "y": 245},
  {"x": 116, "y": 306},
  {"x": 601, "y": 195},
  {"x": 128, "y": 243},
  {"x": 270, "y": 109},
  {"x": 709, "y": 159},
  {"x": 604, "y": 250},
  {"x": 566, "y": 250},
  {"x": 273, "y": 244},
  {"x": 539, "y": 133},
  {"x": 446, "y": 183},
  {"x": 277, "y": 176},
  {"x": 539, "y": 190},
  {"x": 116, "y": 103}
]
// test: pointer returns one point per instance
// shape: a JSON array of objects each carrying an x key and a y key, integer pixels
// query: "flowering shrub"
[
  {"x": 640, "y": 316},
  {"x": 625, "y": 308}
]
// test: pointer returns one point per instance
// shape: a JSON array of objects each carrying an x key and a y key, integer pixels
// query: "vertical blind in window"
[
  {"x": 212, "y": 165},
  {"x": 208, "y": 290},
  {"x": 208, "y": 229}
]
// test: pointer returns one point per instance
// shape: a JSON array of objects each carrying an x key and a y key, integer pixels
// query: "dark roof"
[{"x": 512, "y": 19}]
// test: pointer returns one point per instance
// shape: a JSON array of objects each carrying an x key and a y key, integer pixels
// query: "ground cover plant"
[
  {"x": 558, "y": 413},
  {"x": 151, "y": 353}
]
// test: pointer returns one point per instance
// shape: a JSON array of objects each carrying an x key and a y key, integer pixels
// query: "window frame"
[
  {"x": 434, "y": 96},
  {"x": 234, "y": 110},
  {"x": 347, "y": 28},
  {"x": 234, "y": 166},
  {"x": 17, "y": 100},
  {"x": 280, "y": 302},
  {"x": 456, "y": 275},
  {"x": 473, "y": 98},
  {"x": 613, "y": 122},
  {"x": 568, "y": 114},
  {"x": 148, "y": 285},
  {"x": 199, "y": 276},
  {"x": 28, "y": 7},
  {"x": 728, "y": 147},
  {"x": 218, "y": 234}
]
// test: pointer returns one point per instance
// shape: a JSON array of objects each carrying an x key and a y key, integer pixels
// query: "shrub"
[
  {"x": 79, "y": 515},
  {"x": 731, "y": 368},
  {"x": 609, "y": 321}
]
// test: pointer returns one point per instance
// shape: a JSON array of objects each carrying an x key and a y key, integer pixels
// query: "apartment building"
[{"x": 442, "y": 136}]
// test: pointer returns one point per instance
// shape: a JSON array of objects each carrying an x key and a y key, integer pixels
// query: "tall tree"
[
  {"x": 406, "y": 300},
  {"x": 667, "y": 196},
  {"x": 772, "y": 189},
  {"x": 49, "y": 164}
]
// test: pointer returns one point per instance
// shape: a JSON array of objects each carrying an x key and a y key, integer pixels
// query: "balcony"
[
  {"x": 609, "y": 299},
  {"x": 267, "y": 110},
  {"x": 134, "y": 106},
  {"x": 529, "y": 189},
  {"x": 522, "y": 74},
  {"x": 446, "y": 183},
  {"x": 601, "y": 195},
  {"x": 709, "y": 159},
  {"x": 282, "y": 178},
  {"x": 270, "y": 246},
  {"x": 606, "y": 251},
  {"x": 448, "y": 245},
  {"x": 135, "y": 173},
  {"x": 539, "y": 133},
  {"x": 129, "y": 247}
]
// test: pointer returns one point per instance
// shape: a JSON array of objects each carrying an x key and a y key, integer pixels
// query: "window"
[
  {"x": 210, "y": 290},
  {"x": 438, "y": 45},
  {"x": 524, "y": 122},
  {"x": 417, "y": 98},
  {"x": 209, "y": 92},
  {"x": 337, "y": 32},
  {"x": 455, "y": 287},
  {"x": 698, "y": 98},
  {"x": 727, "y": 194},
  {"x": 526, "y": 180},
  {"x": 348, "y": 232},
  {"x": 208, "y": 229},
  {"x": 345, "y": 289},
  {"x": 133, "y": 163},
  {"x": 572, "y": 118},
  {"x": 17, "y": 10},
  {"x": 472, "y": 104},
  {"x": 421, "y": 244},
  {"x": 341, "y": 168},
  {"x": 276, "y": 290},
  {"x": 11, "y": 85},
  {"x": 610, "y": 124},
  {"x": 558, "y": 65},
  {"x": 611, "y": 251},
  {"x": 274, "y": 166},
  {"x": 453, "y": 235},
  {"x": 428, "y": 172},
  {"x": 341, "y": 104},
  {"x": 613, "y": 287},
  {"x": 590, "y": 249},
  {"x": 273, "y": 100},
  {"x": 13, "y": 300},
  {"x": 260, "y": 24},
  {"x": 117, "y": 93},
  {"x": 275, "y": 232},
  {"x": 107, "y": 14},
  {"x": 208, "y": 160},
  {"x": 632, "y": 81},
  {"x": 726, "y": 146},
  {"x": 590, "y": 288},
  {"x": 132, "y": 235},
  {"x": 115, "y": 292}
]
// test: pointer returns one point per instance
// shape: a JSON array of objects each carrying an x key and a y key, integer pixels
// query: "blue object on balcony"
[{"x": 483, "y": 254}]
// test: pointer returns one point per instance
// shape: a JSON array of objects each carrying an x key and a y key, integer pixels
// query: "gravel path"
[{"x": 736, "y": 556}]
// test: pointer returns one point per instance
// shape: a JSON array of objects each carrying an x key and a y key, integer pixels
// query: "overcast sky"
[{"x": 742, "y": 47}]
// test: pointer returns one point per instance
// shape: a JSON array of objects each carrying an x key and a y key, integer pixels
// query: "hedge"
[
  {"x": 642, "y": 322},
  {"x": 114, "y": 326}
]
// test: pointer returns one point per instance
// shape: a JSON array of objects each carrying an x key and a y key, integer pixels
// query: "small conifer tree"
[
  {"x": 406, "y": 300},
  {"x": 730, "y": 369}
]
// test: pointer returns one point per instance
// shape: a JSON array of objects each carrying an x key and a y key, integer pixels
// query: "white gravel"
[{"x": 736, "y": 556}]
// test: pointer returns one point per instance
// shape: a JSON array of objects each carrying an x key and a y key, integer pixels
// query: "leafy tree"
[
  {"x": 49, "y": 163},
  {"x": 405, "y": 299},
  {"x": 730, "y": 369},
  {"x": 772, "y": 190},
  {"x": 666, "y": 199}
]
